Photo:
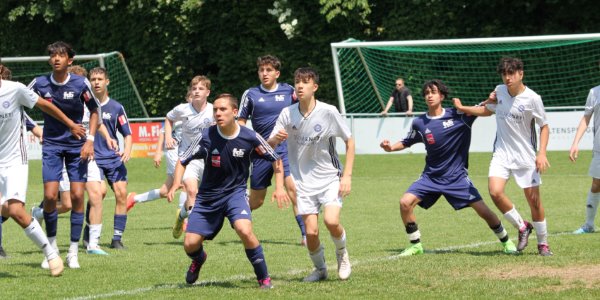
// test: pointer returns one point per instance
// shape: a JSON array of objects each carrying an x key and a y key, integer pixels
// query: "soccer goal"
[
  {"x": 122, "y": 87},
  {"x": 561, "y": 68}
]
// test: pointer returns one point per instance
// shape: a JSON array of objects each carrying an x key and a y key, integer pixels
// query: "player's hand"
[
  {"x": 345, "y": 186},
  {"x": 409, "y": 113},
  {"x": 282, "y": 198},
  {"x": 541, "y": 163},
  {"x": 457, "y": 103},
  {"x": 125, "y": 156},
  {"x": 384, "y": 113},
  {"x": 386, "y": 146},
  {"x": 171, "y": 194},
  {"x": 112, "y": 144},
  {"x": 492, "y": 98},
  {"x": 573, "y": 153},
  {"x": 78, "y": 131},
  {"x": 170, "y": 143},
  {"x": 157, "y": 158},
  {"x": 282, "y": 135},
  {"x": 87, "y": 151}
]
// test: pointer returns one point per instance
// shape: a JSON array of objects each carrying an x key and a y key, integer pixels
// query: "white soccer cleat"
[
  {"x": 56, "y": 266},
  {"x": 344, "y": 267},
  {"x": 45, "y": 264},
  {"x": 37, "y": 213},
  {"x": 316, "y": 275},
  {"x": 73, "y": 261}
]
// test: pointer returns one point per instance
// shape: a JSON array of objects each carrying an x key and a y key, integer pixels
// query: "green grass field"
[{"x": 463, "y": 258}]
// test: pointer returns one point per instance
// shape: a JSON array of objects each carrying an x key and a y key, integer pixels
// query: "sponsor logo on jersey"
[
  {"x": 307, "y": 140},
  {"x": 122, "y": 120},
  {"x": 448, "y": 124},
  {"x": 87, "y": 96},
  {"x": 318, "y": 128},
  {"x": 238, "y": 152},
  {"x": 68, "y": 95},
  {"x": 215, "y": 159},
  {"x": 6, "y": 104},
  {"x": 279, "y": 98},
  {"x": 430, "y": 139},
  {"x": 106, "y": 115}
]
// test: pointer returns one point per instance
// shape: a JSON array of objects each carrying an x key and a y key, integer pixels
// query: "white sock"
[
  {"x": 591, "y": 208},
  {"x": 514, "y": 218},
  {"x": 541, "y": 231},
  {"x": 35, "y": 233},
  {"x": 340, "y": 244},
  {"x": 52, "y": 241},
  {"x": 147, "y": 196},
  {"x": 74, "y": 247},
  {"x": 182, "y": 199},
  {"x": 95, "y": 231},
  {"x": 318, "y": 258}
]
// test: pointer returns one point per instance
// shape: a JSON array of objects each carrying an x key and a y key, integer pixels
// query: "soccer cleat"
[
  {"x": 544, "y": 250},
  {"x": 3, "y": 253},
  {"x": 96, "y": 250},
  {"x": 117, "y": 244},
  {"x": 265, "y": 283},
  {"x": 414, "y": 249},
  {"x": 344, "y": 267},
  {"x": 72, "y": 261},
  {"x": 583, "y": 230},
  {"x": 178, "y": 227},
  {"x": 524, "y": 236},
  {"x": 45, "y": 264},
  {"x": 193, "y": 271},
  {"x": 130, "y": 201},
  {"x": 37, "y": 213},
  {"x": 509, "y": 247},
  {"x": 316, "y": 275},
  {"x": 56, "y": 266}
]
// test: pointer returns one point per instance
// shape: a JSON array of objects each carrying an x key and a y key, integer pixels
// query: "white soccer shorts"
[
  {"x": 64, "y": 185},
  {"x": 308, "y": 205},
  {"x": 93, "y": 173},
  {"x": 524, "y": 177},
  {"x": 595, "y": 166},
  {"x": 194, "y": 170},
  {"x": 171, "y": 157},
  {"x": 13, "y": 183}
]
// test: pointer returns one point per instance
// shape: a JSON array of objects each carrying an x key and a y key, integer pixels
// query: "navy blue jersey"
[
  {"x": 115, "y": 120},
  {"x": 447, "y": 140},
  {"x": 226, "y": 160},
  {"x": 265, "y": 106},
  {"x": 69, "y": 97},
  {"x": 29, "y": 122}
]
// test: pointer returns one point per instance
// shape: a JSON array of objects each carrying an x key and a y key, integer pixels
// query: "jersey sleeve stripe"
[
  {"x": 334, "y": 158},
  {"x": 243, "y": 103},
  {"x": 267, "y": 147},
  {"x": 192, "y": 149}
]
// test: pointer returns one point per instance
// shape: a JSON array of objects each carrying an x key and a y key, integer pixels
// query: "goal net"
[
  {"x": 560, "y": 68},
  {"x": 121, "y": 88}
]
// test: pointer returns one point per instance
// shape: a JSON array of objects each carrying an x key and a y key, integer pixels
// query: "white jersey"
[
  {"x": 516, "y": 117},
  {"x": 13, "y": 97},
  {"x": 592, "y": 107},
  {"x": 314, "y": 162},
  {"x": 193, "y": 122}
]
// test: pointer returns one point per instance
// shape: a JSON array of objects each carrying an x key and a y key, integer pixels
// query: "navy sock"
[
  {"x": 411, "y": 228},
  {"x": 257, "y": 259},
  {"x": 301, "y": 225},
  {"x": 76, "y": 225},
  {"x": 198, "y": 255},
  {"x": 51, "y": 220},
  {"x": 119, "y": 226}
]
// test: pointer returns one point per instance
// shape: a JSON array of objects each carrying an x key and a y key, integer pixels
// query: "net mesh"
[
  {"x": 120, "y": 88},
  {"x": 562, "y": 72}
]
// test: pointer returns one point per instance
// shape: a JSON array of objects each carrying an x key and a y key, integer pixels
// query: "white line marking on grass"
[{"x": 289, "y": 272}]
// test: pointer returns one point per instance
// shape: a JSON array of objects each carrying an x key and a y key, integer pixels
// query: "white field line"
[{"x": 289, "y": 272}]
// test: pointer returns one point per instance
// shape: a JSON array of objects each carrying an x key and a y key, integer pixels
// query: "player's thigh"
[
  {"x": 52, "y": 164},
  {"x": 422, "y": 192},
  {"x": 76, "y": 168}
]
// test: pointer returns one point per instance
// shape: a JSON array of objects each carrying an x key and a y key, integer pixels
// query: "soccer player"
[
  {"x": 592, "y": 107},
  {"x": 171, "y": 156},
  {"x": 311, "y": 126},
  {"x": 13, "y": 160},
  {"x": 263, "y": 104},
  {"x": 518, "y": 109},
  {"x": 70, "y": 93},
  {"x": 195, "y": 116},
  {"x": 110, "y": 163},
  {"x": 226, "y": 149},
  {"x": 446, "y": 134}
]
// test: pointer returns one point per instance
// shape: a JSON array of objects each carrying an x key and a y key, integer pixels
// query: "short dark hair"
[
  {"x": 509, "y": 65},
  {"x": 5, "y": 72},
  {"x": 441, "y": 87},
  {"x": 231, "y": 98},
  {"x": 269, "y": 60},
  {"x": 99, "y": 70},
  {"x": 306, "y": 73},
  {"x": 60, "y": 47}
]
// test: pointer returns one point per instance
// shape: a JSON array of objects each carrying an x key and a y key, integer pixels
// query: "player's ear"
[{"x": 107, "y": 82}]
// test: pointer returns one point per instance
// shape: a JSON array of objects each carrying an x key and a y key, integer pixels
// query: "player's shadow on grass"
[
  {"x": 178, "y": 243},
  {"x": 169, "y": 228},
  {"x": 271, "y": 242},
  {"x": 201, "y": 284},
  {"x": 7, "y": 275},
  {"x": 396, "y": 252}
]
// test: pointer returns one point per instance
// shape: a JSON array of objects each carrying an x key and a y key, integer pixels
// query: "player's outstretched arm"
[
  {"x": 280, "y": 195},
  {"x": 177, "y": 176},
  {"x": 77, "y": 130},
  {"x": 387, "y": 146},
  {"x": 541, "y": 160},
  {"x": 480, "y": 111},
  {"x": 346, "y": 180},
  {"x": 277, "y": 138},
  {"x": 583, "y": 125}
]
